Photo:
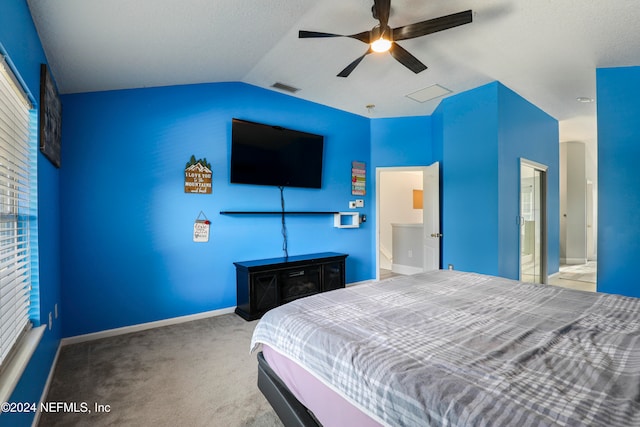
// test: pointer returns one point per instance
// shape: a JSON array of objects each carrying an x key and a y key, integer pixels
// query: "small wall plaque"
[
  {"x": 197, "y": 176},
  {"x": 201, "y": 228},
  {"x": 358, "y": 178}
]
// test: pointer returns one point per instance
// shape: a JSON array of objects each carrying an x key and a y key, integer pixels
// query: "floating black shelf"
[{"x": 276, "y": 213}]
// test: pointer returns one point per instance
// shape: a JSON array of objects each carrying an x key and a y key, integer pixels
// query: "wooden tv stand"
[{"x": 267, "y": 283}]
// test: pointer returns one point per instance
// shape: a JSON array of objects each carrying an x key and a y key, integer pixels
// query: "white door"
[{"x": 431, "y": 216}]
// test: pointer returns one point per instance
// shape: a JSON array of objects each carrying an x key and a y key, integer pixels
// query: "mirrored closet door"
[{"x": 532, "y": 221}]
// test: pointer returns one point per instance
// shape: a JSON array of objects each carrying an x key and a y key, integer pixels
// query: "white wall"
[
  {"x": 396, "y": 206},
  {"x": 573, "y": 203}
]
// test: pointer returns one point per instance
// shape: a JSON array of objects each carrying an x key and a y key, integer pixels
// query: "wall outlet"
[
  {"x": 410, "y": 253},
  {"x": 359, "y": 203},
  {"x": 352, "y": 204}
]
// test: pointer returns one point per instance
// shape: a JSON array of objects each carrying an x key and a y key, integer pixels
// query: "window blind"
[{"x": 15, "y": 259}]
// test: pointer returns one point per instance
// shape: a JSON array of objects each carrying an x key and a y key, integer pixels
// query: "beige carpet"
[{"x": 198, "y": 373}]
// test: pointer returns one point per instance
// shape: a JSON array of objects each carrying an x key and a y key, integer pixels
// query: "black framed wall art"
[{"x": 50, "y": 117}]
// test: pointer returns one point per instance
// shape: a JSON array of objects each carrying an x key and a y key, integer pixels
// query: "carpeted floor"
[{"x": 198, "y": 373}]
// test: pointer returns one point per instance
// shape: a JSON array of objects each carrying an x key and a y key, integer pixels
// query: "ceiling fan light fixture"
[
  {"x": 381, "y": 45},
  {"x": 381, "y": 36}
]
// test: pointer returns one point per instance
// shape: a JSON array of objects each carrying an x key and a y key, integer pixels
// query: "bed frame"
[{"x": 291, "y": 412}]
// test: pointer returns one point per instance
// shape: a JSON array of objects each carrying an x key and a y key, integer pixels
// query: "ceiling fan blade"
[
  {"x": 353, "y": 65},
  {"x": 406, "y": 59},
  {"x": 420, "y": 29},
  {"x": 381, "y": 10},
  {"x": 364, "y": 36},
  {"x": 314, "y": 34}
]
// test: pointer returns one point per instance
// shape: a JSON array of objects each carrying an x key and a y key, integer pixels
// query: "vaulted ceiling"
[{"x": 545, "y": 50}]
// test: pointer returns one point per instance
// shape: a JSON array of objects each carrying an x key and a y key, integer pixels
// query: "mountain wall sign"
[{"x": 197, "y": 176}]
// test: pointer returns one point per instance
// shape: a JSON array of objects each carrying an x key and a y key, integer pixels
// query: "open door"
[
  {"x": 533, "y": 222},
  {"x": 390, "y": 203},
  {"x": 431, "y": 217}
]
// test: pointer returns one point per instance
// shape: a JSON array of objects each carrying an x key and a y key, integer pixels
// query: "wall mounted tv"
[{"x": 272, "y": 155}]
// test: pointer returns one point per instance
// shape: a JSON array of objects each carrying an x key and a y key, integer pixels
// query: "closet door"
[{"x": 532, "y": 221}]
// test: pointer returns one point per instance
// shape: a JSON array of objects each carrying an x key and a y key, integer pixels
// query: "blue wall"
[
  {"x": 618, "y": 91},
  {"x": 128, "y": 253},
  {"x": 19, "y": 38},
  {"x": 401, "y": 141},
  {"x": 398, "y": 142},
  {"x": 527, "y": 132},
  {"x": 468, "y": 127},
  {"x": 115, "y": 223},
  {"x": 478, "y": 137},
  {"x": 482, "y": 134}
]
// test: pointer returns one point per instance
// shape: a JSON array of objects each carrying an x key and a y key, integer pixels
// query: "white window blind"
[{"x": 15, "y": 266}]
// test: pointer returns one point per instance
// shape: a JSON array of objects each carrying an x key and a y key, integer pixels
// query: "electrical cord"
[{"x": 284, "y": 225}]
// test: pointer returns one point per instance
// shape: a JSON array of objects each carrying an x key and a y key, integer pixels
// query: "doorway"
[
  {"x": 407, "y": 220},
  {"x": 533, "y": 222}
]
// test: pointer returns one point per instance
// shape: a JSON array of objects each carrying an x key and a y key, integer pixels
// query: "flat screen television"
[{"x": 272, "y": 155}]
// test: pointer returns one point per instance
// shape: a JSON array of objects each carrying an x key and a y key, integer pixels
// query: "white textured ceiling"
[{"x": 545, "y": 50}]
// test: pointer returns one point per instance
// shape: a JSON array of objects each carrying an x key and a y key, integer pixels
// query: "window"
[{"x": 17, "y": 215}]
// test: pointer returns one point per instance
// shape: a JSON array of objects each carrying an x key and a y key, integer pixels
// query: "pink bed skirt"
[{"x": 328, "y": 406}]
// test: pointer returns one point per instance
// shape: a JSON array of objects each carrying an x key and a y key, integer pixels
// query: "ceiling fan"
[{"x": 382, "y": 38}]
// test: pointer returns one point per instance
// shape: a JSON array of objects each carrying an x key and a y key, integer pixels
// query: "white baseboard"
[
  {"x": 405, "y": 269},
  {"x": 385, "y": 258},
  {"x": 144, "y": 326},
  {"x": 573, "y": 261}
]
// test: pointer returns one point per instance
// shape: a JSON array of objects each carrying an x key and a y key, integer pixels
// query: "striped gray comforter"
[{"x": 447, "y": 348}]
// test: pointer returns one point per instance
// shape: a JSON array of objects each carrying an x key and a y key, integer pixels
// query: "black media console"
[{"x": 267, "y": 283}]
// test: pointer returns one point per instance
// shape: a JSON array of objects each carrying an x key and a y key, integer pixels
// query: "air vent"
[
  {"x": 429, "y": 93},
  {"x": 285, "y": 87}
]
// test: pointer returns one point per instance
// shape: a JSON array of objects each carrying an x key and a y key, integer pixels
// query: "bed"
[{"x": 448, "y": 348}]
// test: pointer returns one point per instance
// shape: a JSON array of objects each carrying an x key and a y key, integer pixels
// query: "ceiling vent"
[
  {"x": 429, "y": 93},
  {"x": 285, "y": 87}
]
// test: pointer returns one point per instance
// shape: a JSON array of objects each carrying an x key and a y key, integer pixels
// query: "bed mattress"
[{"x": 463, "y": 349}]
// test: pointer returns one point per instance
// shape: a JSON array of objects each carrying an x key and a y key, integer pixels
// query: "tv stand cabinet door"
[
  {"x": 333, "y": 276},
  {"x": 257, "y": 292},
  {"x": 264, "y": 291}
]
